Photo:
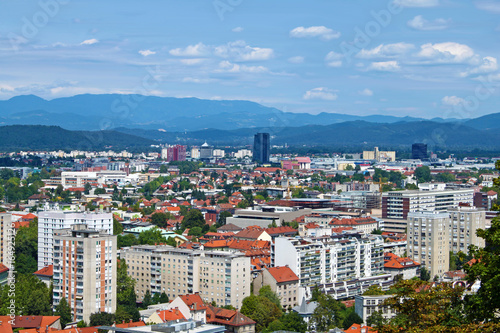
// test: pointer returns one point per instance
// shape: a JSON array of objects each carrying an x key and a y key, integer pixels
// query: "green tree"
[
  {"x": 423, "y": 174},
  {"x": 374, "y": 291},
  {"x": 127, "y": 240},
  {"x": 151, "y": 237},
  {"x": 328, "y": 314},
  {"x": 222, "y": 218},
  {"x": 126, "y": 305},
  {"x": 266, "y": 291},
  {"x": 425, "y": 275},
  {"x": 147, "y": 300},
  {"x": 117, "y": 226},
  {"x": 160, "y": 219},
  {"x": 26, "y": 248},
  {"x": 63, "y": 310},
  {"x": 376, "y": 319},
  {"x": 32, "y": 297},
  {"x": 193, "y": 218},
  {"x": 102, "y": 319},
  {"x": 293, "y": 322},
  {"x": 261, "y": 310},
  {"x": 352, "y": 318}
]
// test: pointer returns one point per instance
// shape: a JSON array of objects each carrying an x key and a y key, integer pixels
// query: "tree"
[
  {"x": 32, "y": 297},
  {"x": 147, "y": 300},
  {"x": 87, "y": 188},
  {"x": 374, "y": 290},
  {"x": 261, "y": 310},
  {"x": 193, "y": 218},
  {"x": 293, "y": 322},
  {"x": 376, "y": 319},
  {"x": 423, "y": 174},
  {"x": 352, "y": 318},
  {"x": 266, "y": 291},
  {"x": 222, "y": 218},
  {"x": 328, "y": 313},
  {"x": 160, "y": 219},
  {"x": 126, "y": 306},
  {"x": 102, "y": 319},
  {"x": 151, "y": 237},
  {"x": 117, "y": 227},
  {"x": 26, "y": 248},
  {"x": 425, "y": 275},
  {"x": 421, "y": 306},
  {"x": 63, "y": 310}
]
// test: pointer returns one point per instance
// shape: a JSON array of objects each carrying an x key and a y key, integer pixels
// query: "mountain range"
[{"x": 138, "y": 121}]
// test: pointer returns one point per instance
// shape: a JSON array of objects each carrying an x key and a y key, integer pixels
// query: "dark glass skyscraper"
[
  {"x": 418, "y": 151},
  {"x": 261, "y": 148}
]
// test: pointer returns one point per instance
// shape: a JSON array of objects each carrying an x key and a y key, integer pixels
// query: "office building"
[
  {"x": 419, "y": 151},
  {"x": 222, "y": 277},
  {"x": 206, "y": 151},
  {"x": 428, "y": 240},
  {"x": 50, "y": 221},
  {"x": 174, "y": 153},
  {"x": 379, "y": 156},
  {"x": 85, "y": 271},
  {"x": 261, "y": 147},
  {"x": 464, "y": 222}
]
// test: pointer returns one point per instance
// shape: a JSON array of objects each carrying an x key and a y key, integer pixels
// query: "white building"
[
  {"x": 85, "y": 271},
  {"x": 464, "y": 222},
  {"x": 428, "y": 240},
  {"x": 219, "y": 153},
  {"x": 242, "y": 153},
  {"x": 50, "y": 221},
  {"x": 365, "y": 306},
  {"x": 343, "y": 265}
]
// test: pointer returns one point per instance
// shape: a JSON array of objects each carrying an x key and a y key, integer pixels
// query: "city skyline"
[{"x": 421, "y": 58}]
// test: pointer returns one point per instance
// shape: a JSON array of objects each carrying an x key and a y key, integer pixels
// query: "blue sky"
[{"x": 421, "y": 58}]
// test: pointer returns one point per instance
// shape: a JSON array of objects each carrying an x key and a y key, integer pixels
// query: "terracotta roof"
[
  {"x": 358, "y": 328},
  {"x": 20, "y": 224},
  {"x": 3, "y": 268},
  {"x": 192, "y": 299},
  {"x": 283, "y": 274},
  {"x": 131, "y": 324},
  {"x": 229, "y": 227},
  {"x": 252, "y": 233},
  {"x": 490, "y": 193},
  {"x": 280, "y": 230},
  {"x": 349, "y": 303},
  {"x": 168, "y": 315},
  {"x": 400, "y": 263},
  {"x": 227, "y": 317},
  {"x": 46, "y": 271}
]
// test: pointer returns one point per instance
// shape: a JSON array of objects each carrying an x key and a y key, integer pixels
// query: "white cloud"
[
  {"x": 366, "y": 92},
  {"x": 146, "y": 52},
  {"x": 420, "y": 23},
  {"x": 385, "y": 66},
  {"x": 452, "y": 100},
  {"x": 227, "y": 66},
  {"x": 237, "y": 29},
  {"x": 316, "y": 31},
  {"x": 195, "y": 80},
  {"x": 197, "y": 50},
  {"x": 386, "y": 51},
  {"x": 416, "y": 3},
  {"x": 489, "y": 5},
  {"x": 296, "y": 60},
  {"x": 488, "y": 65},
  {"x": 89, "y": 41},
  {"x": 448, "y": 52},
  {"x": 240, "y": 51},
  {"x": 334, "y": 59},
  {"x": 320, "y": 93},
  {"x": 192, "y": 61}
]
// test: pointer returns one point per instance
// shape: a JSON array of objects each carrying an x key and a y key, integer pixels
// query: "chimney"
[
  {"x": 177, "y": 311},
  {"x": 130, "y": 320}
]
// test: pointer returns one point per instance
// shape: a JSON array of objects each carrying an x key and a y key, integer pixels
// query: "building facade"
[
  {"x": 50, "y": 221},
  {"x": 282, "y": 281},
  {"x": 464, "y": 221},
  {"x": 223, "y": 277},
  {"x": 7, "y": 240},
  {"x": 85, "y": 271},
  {"x": 428, "y": 240},
  {"x": 261, "y": 147},
  {"x": 419, "y": 151}
]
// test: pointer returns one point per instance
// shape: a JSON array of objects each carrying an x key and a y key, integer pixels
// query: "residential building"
[
  {"x": 365, "y": 306},
  {"x": 343, "y": 265},
  {"x": 261, "y": 147},
  {"x": 85, "y": 270},
  {"x": 419, "y": 151},
  {"x": 464, "y": 222},
  {"x": 282, "y": 281},
  {"x": 45, "y": 274},
  {"x": 306, "y": 310},
  {"x": 49, "y": 221},
  {"x": 428, "y": 240},
  {"x": 7, "y": 239},
  {"x": 206, "y": 151},
  {"x": 233, "y": 320},
  {"x": 223, "y": 277},
  {"x": 403, "y": 267},
  {"x": 174, "y": 153},
  {"x": 397, "y": 204}
]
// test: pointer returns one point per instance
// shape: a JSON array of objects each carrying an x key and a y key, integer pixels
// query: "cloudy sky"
[{"x": 423, "y": 58}]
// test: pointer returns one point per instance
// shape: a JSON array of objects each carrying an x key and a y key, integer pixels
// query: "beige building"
[
  {"x": 7, "y": 241},
  {"x": 379, "y": 156},
  {"x": 283, "y": 281},
  {"x": 218, "y": 276},
  {"x": 464, "y": 221},
  {"x": 428, "y": 240},
  {"x": 85, "y": 270}
]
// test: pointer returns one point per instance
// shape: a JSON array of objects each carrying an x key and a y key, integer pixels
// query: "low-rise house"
[
  {"x": 163, "y": 316},
  {"x": 233, "y": 320},
  {"x": 366, "y": 305},
  {"x": 45, "y": 274},
  {"x": 283, "y": 281},
  {"x": 306, "y": 310},
  {"x": 404, "y": 267}
]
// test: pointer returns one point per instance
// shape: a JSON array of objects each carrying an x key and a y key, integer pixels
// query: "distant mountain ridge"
[{"x": 108, "y": 111}]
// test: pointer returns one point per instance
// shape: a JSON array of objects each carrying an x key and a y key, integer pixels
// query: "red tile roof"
[
  {"x": 355, "y": 328},
  {"x": 46, "y": 271},
  {"x": 280, "y": 230},
  {"x": 192, "y": 299},
  {"x": 227, "y": 317},
  {"x": 168, "y": 315},
  {"x": 131, "y": 324},
  {"x": 283, "y": 274},
  {"x": 3, "y": 268}
]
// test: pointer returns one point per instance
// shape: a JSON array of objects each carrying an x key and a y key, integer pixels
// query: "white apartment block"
[
  {"x": 7, "y": 239},
  {"x": 464, "y": 221},
  {"x": 50, "y": 221},
  {"x": 81, "y": 178},
  {"x": 365, "y": 306},
  {"x": 332, "y": 262},
  {"x": 85, "y": 271},
  {"x": 428, "y": 240},
  {"x": 398, "y": 204},
  {"x": 218, "y": 276}
]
